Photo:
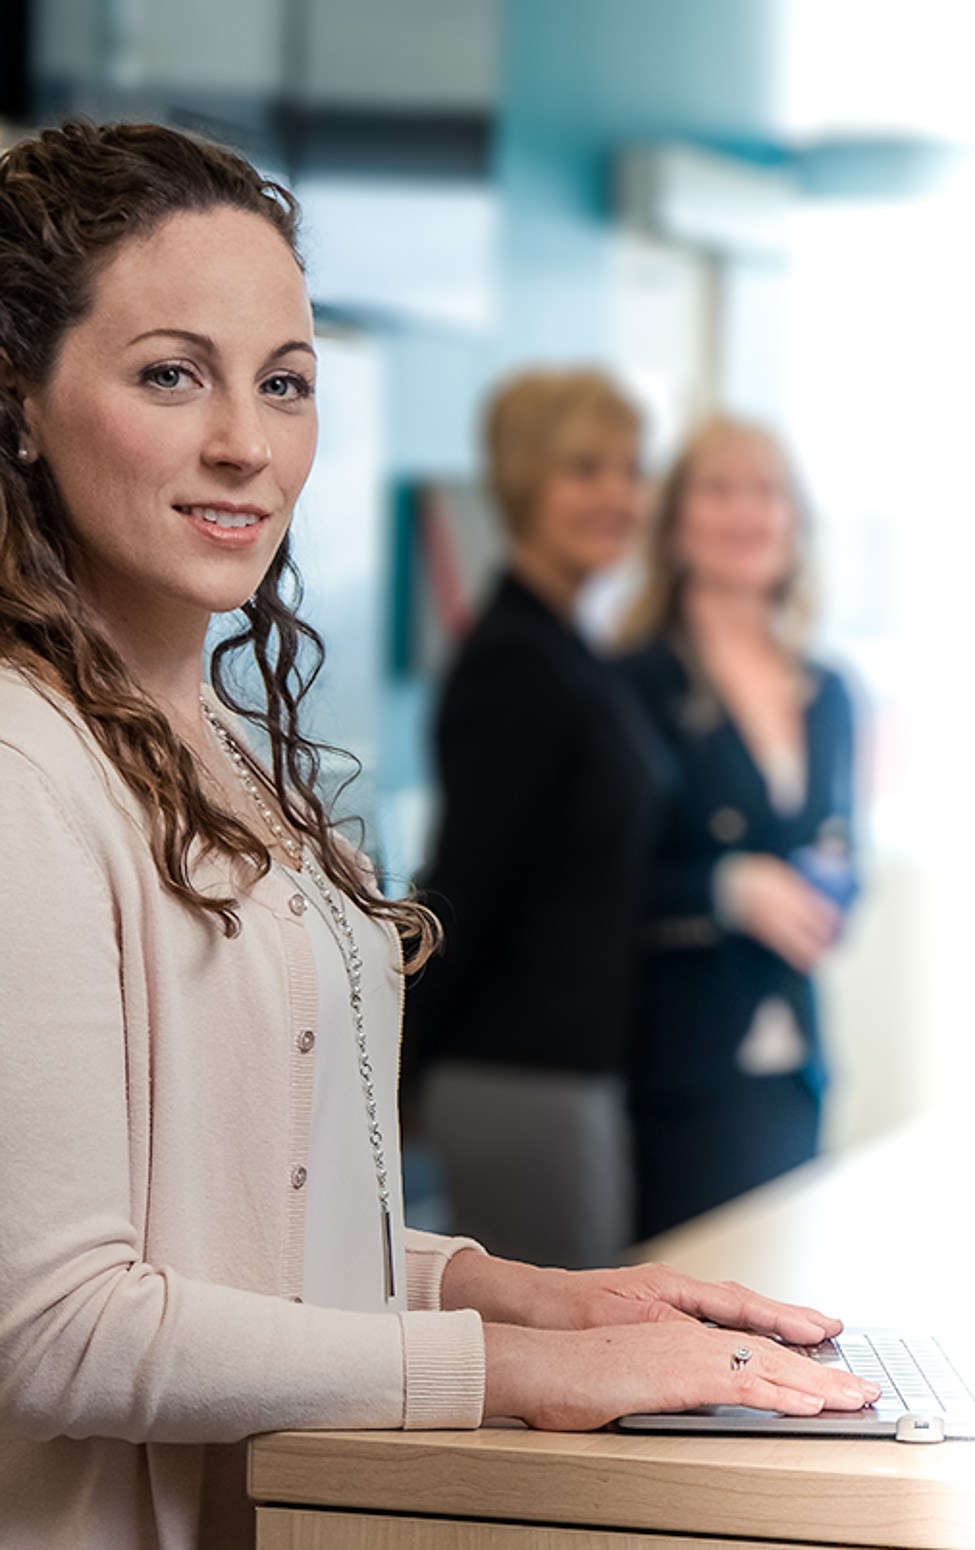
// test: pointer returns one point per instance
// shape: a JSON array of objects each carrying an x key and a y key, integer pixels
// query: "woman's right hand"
[
  {"x": 559, "y": 1380},
  {"x": 769, "y": 900}
]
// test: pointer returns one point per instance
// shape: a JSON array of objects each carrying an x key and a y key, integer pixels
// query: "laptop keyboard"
[{"x": 913, "y": 1371}]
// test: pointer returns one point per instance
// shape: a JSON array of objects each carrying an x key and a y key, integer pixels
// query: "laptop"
[{"x": 924, "y": 1399}]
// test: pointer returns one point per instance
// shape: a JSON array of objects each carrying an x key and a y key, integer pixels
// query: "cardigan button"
[
  {"x": 305, "y": 1040},
  {"x": 297, "y": 904},
  {"x": 299, "y": 1177}
]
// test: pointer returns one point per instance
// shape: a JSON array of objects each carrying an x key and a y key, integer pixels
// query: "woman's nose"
[
  {"x": 236, "y": 435},
  {"x": 620, "y": 487}
]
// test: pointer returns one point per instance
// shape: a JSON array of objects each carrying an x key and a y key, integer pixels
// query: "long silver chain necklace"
[{"x": 338, "y": 922}]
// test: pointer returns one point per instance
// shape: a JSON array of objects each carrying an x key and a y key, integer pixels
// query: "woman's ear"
[
  {"x": 10, "y": 382},
  {"x": 14, "y": 390}
]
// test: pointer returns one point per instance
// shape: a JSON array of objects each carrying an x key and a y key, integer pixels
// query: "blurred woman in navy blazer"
[{"x": 752, "y": 871}]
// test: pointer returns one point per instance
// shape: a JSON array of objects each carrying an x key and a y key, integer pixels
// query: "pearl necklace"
[{"x": 338, "y": 923}]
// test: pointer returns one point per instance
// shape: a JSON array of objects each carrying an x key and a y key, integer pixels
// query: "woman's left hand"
[{"x": 506, "y": 1292}]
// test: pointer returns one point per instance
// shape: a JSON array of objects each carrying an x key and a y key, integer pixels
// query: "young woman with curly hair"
[{"x": 201, "y": 1233}]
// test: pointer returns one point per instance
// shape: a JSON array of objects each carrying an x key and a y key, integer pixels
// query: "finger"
[
  {"x": 802, "y": 949},
  {"x": 763, "y": 1394},
  {"x": 770, "y": 1393},
  {"x": 666, "y": 1313},
  {"x": 797, "y": 1402},
  {"x": 737, "y": 1307},
  {"x": 822, "y": 924},
  {"x": 820, "y": 935},
  {"x": 796, "y": 955},
  {"x": 808, "y": 928},
  {"x": 773, "y": 1363},
  {"x": 795, "y": 1324},
  {"x": 790, "y": 935}
]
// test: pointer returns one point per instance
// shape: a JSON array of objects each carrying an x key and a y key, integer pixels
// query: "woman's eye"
[
  {"x": 583, "y": 468},
  {"x": 167, "y": 376},
  {"x": 287, "y": 385}
]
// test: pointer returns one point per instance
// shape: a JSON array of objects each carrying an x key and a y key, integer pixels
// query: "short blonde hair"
[
  {"x": 658, "y": 606},
  {"x": 535, "y": 420}
]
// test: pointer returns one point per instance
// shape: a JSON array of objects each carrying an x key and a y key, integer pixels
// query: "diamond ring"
[{"x": 739, "y": 1357}]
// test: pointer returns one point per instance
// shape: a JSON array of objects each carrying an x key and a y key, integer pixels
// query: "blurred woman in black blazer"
[
  {"x": 752, "y": 872},
  {"x": 516, "y": 1038}
]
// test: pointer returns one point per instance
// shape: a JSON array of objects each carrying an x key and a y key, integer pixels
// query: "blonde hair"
[
  {"x": 658, "y": 606},
  {"x": 535, "y": 420}
]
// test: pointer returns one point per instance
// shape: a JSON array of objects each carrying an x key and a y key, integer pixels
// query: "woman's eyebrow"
[
  {"x": 292, "y": 344},
  {"x": 204, "y": 342}
]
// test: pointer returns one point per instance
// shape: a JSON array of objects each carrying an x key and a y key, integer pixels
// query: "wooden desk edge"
[{"x": 828, "y": 1491}]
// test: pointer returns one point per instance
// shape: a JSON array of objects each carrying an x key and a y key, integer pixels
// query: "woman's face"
[
  {"x": 588, "y": 508},
  {"x": 736, "y": 528},
  {"x": 179, "y": 421}
]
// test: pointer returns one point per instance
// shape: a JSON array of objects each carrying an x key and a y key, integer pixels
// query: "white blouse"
[{"x": 342, "y": 1201}]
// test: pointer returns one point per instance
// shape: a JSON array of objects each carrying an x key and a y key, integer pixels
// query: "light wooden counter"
[
  {"x": 882, "y": 1237},
  {"x": 806, "y": 1491}
]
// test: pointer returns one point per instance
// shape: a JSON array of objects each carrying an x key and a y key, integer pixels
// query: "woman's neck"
[
  {"x": 727, "y": 615},
  {"x": 164, "y": 656},
  {"x": 756, "y": 680},
  {"x": 556, "y": 587}
]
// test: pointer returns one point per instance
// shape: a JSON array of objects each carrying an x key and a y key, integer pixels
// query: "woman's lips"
[{"x": 225, "y": 523}]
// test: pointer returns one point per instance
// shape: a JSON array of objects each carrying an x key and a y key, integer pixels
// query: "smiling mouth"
[{"x": 219, "y": 516}]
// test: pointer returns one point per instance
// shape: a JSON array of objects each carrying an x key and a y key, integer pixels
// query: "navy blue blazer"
[{"x": 701, "y": 984}]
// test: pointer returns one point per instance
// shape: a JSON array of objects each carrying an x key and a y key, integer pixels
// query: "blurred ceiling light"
[
  {"x": 875, "y": 67},
  {"x": 713, "y": 202}
]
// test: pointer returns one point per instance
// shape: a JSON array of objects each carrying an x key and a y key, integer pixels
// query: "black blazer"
[
  {"x": 540, "y": 853},
  {"x": 700, "y": 984}
]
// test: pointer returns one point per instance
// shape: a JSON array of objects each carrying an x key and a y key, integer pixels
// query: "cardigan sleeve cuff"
[
  {"x": 443, "y": 1356},
  {"x": 427, "y": 1257}
]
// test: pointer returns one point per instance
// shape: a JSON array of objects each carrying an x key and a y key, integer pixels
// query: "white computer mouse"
[{"x": 920, "y": 1428}]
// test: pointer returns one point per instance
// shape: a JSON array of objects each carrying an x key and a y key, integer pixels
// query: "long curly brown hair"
[{"x": 67, "y": 199}]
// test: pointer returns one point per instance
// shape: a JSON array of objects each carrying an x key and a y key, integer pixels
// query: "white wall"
[{"x": 880, "y": 337}]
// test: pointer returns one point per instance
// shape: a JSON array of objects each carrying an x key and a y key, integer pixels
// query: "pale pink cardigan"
[{"x": 154, "y": 1102}]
